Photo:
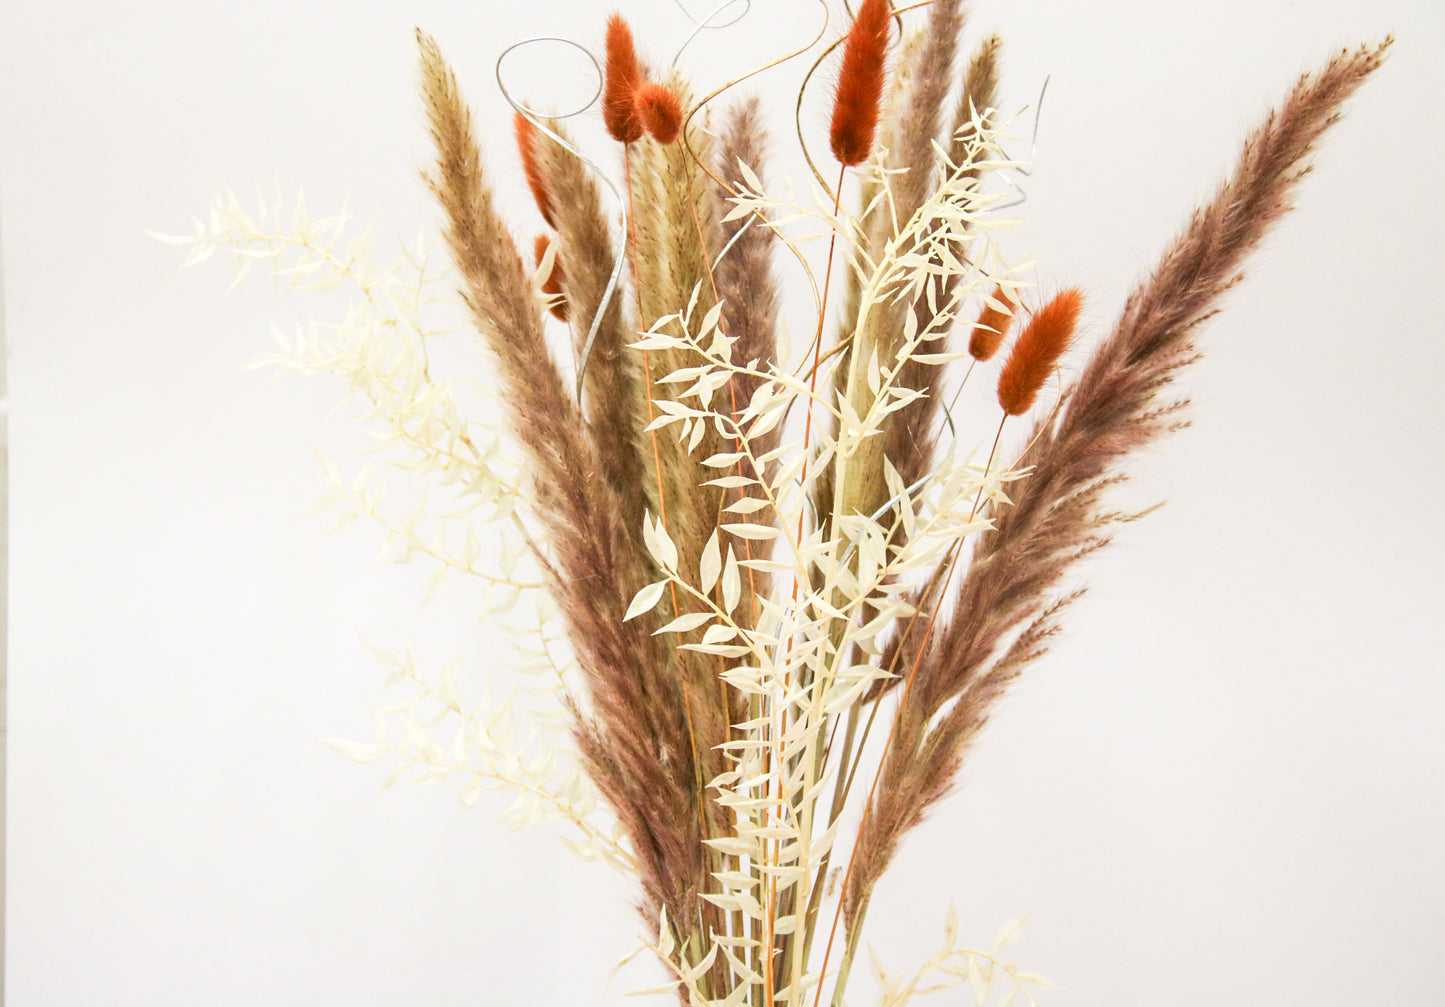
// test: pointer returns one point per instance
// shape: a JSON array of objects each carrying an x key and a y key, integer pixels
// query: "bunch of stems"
[{"x": 793, "y": 600}]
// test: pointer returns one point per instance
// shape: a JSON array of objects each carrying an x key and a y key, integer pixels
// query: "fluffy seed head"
[
  {"x": 1037, "y": 350},
  {"x": 992, "y": 325},
  {"x": 619, "y": 90},
  {"x": 860, "y": 83},
  {"x": 526, "y": 133},
  {"x": 552, "y": 285},
  {"x": 661, "y": 112}
]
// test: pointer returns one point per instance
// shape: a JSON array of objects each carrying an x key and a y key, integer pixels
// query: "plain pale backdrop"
[{"x": 1225, "y": 785}]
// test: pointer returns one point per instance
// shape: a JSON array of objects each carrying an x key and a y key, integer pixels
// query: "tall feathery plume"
[
  {"x": 676, "y": 225},
  {"x": 745, "y": 279},
  {"x": 677, "y": 214},
  {"x": 909, "y": 435},
  {"x": 979, "y": 94},
  {"x": 1008, "y": 604},
  {"x": 634, "y": 740},
  {"x": 612, "y": 377},
  {"x": 857, "y": 105},
  {"x": 916, "y": 124},
  {"x": 620, "y": 83}
]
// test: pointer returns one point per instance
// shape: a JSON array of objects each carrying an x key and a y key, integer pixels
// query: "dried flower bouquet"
[{"x": 785, "y": 596}]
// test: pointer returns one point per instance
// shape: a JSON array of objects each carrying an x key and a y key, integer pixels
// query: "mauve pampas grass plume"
[
  {"x": 636, "y": 740},
  {"x": 745, "y": 594},
  {"x": 1116, "y": 407},
  {"x": 860, "y": 84},
  {"x": 612, "y": 378}
]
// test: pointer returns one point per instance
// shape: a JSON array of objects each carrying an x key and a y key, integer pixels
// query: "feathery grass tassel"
[
  {"x": 552, "y": 286},
  {"x": 860, "y": 84},
  {"x": 992, "y": 325},
  {"x": 1009, "y": 603},
  {"x": 526, "y": 133},
  {"x": 1038, "y": 349},
  {"x": 620, "y": 83}
]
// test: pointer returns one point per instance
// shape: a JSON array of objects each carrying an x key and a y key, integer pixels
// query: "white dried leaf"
[
  {"x": 732, "y": 584},
  {"x": 742, "y": 505},
  {"x": 730, "y": 482},
  {"x": 1009, "y": 933},
  {"x": 753, "y": 532},
  {"x": 645, "y": 600},
  {"x": 710, "y": 564},
  {"x": 724, "y": 460},
  {"x": 684, "y": 623},
  {"x": 978, "y": 982},
  {"x": 733, "y": 846}
]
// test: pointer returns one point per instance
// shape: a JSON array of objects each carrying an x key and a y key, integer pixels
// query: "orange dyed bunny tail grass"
[
  {"x": 1038, "y": 349},
  {"x": 619, "y": 91},
  {"x": 860, "y": 84},
  {"x": 992, "y": 325},
  {"x": 660, "y": 112},
  {"x": 526, "y": 133}
]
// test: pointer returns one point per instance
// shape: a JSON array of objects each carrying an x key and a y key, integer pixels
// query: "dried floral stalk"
[{"x": 747, "y": 595}]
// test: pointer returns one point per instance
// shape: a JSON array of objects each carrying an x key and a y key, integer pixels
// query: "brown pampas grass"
[
  {"x": 915, "y": 128},
  {"x": 622, "y": 78},
  {"x": 979, "y": 94},
  {"x": 1116, "y": 407},
  {"x": 612, "y": 378},
  {"x": 992, "y": 325},
  {"x": 860, "y": 84},
  {"x": 1037, "y": 351},
  {"x": 525, "y": 132},
  {"x": 740, "y": 567},
  {"x": 637, "y": 741},
  {"x": 660, "y": 111}
]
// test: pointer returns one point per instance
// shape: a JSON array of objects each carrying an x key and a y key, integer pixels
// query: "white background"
[{"x": 1225, "y": 786}]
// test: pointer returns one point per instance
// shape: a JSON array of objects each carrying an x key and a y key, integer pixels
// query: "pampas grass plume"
[
  {"x": 860, "y": 84},
  {"x": 1037, "y": 350},
  {"x": 992, "y": 325},
  {"x": 526, "y": 133},
  {"x": 623, "y": 75},
  {"x": 660, "y": 111}
]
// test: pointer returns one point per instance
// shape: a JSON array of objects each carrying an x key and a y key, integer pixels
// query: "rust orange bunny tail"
[
  {"x": 992, "y": 326},
  {"x": 660, "y": 111},
  {"x": 860, "y": 84},
  {"x": 619, "y": 92},
  {"x": 526, "y": 133},
  {"x": 1038, "y": 349}
]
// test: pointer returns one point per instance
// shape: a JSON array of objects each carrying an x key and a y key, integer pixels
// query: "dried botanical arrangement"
[{"x": 771, "y": 602}]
